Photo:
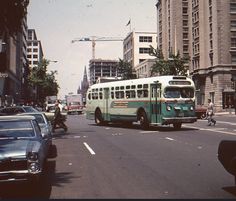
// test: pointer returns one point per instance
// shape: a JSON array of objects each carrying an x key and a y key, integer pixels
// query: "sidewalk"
[{"x": 225, "y": 114}]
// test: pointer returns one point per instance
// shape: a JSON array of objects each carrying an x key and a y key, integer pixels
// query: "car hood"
[{"x": 17, "y": 148}]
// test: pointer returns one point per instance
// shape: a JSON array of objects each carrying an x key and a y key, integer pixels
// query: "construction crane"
[{"x": 94, "y": 39}]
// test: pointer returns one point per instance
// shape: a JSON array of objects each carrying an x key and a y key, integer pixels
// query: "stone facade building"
[{"x": 205, "y": 30}]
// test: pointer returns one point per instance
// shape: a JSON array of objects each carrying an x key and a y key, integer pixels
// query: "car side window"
[{"x": 37, "y": 128}]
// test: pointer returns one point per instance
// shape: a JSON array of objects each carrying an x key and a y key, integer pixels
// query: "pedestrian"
[
  {"x": 210, "y": 113},
  {"x": 58, "y": 119}
]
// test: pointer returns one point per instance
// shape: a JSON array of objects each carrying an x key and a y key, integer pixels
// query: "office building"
[
  {"x": 206, "y": 31},
  {"x": 136, "y": 47},
  {"x": 102, "y": 68},
  {"x": 34, "y": 49}
]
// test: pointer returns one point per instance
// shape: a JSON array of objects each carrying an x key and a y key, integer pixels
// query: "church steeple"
[{"x": 84, "y": 85}]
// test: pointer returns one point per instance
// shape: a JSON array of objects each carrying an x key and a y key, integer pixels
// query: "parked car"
[
  {"x": 44, "y": 123},
  {"x": 200, "y": 112},
  {"x": 227, "y": 156},
  {"x": 24, "y": 149},
  {"x": 16, "y": 109}
]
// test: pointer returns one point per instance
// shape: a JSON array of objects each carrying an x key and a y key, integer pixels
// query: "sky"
[{"x": 58, "y": 22}]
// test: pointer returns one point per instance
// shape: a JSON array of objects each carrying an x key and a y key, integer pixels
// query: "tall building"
[
  {"x": 206, "y": 31},
  {"x": 22, "y": 94},
  {"x": 34, "y": 49},
  {"x": 34, "y": 56},
  {"x": 136, "y": 47},
  {"x": 102, "y": 68},
  {"x": 13, "y": 66}
]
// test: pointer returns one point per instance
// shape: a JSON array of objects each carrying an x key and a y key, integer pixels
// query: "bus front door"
[
  {"x": 106, "y": 106},
  {"x": 155, "y": 104}
]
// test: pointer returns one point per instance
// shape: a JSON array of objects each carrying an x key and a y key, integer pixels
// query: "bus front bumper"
[{"x": 172, "y": 120}]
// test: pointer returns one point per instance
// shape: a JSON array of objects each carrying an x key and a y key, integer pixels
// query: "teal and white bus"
[{"x": 160, "y": 100}]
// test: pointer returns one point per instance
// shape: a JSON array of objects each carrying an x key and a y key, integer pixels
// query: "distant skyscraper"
[{"x": 34, "y": 49}]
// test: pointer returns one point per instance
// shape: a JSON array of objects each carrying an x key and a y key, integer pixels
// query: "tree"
[
  {"x": 12, "y": 13},
  {"x": 44, "y": 82},
  {"x": 174, "y": 65},
  {"x": 125, "y": 70}
]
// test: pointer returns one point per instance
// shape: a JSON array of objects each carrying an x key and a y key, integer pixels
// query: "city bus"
[{"x": 157, "y": 101}]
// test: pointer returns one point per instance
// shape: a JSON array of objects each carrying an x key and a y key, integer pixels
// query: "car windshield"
[
  {"x": 30, "y": 109},
  {"x": 16, "y": 129},
  {"x": 39, "y": 118},
  {"x": 174, "y": 92}
]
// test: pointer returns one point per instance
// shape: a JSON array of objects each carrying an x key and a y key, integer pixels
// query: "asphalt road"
[{"x": 126, "y": 162}]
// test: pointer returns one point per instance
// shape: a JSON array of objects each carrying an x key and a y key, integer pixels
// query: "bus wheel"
[
  {"x": 143, "y": 121},
  {"x": 177, "y": 126},
  {"x": 98, "y": 117}
]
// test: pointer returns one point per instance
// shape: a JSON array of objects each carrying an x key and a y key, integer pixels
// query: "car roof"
[{"x": 17, "y": 118}]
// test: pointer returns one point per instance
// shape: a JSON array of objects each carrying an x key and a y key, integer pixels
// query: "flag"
[{"x": 128, "y": 23}]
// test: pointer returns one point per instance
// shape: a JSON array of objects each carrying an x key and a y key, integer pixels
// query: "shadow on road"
[
  {"x": 230, "y": 189},
  {"x": 167, "y": 128}
]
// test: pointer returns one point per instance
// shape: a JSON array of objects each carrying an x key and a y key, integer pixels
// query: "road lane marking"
[
  {"x": 144, "y": 132},
  {"x": 222, "y": 122},
  {"x": 168, "y": 138},
  {"x": 212, "y": 130},
  {"x": 89, "y": 148}
]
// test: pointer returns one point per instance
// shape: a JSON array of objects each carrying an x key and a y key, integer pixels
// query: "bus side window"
[
  {"x": 145, "y": 93},
  {"x": 100, "y": 95},
  {"x": 89, "y": 96},
  {"x": 132, "y": 94},
  {"x": 140, "y": 94},
  {"x": 122, "y": 94},
  {"x": 127, "y": 94},
  {"x": 112, "y": 95},
  {"x": 117, "y": 94}
]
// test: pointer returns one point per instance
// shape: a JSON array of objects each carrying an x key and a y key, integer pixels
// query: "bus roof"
[{"x": 162, "y": 79}]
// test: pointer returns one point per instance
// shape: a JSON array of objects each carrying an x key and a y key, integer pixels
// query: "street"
[{"x": 126, "y": 162}]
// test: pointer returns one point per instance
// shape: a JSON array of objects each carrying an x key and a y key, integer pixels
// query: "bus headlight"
[
  {"x": 168, "y": 108},
  {"x": 191, "y": 108}
]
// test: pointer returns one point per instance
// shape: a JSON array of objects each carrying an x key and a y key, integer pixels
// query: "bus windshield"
[{"x": 175, "y": 92}]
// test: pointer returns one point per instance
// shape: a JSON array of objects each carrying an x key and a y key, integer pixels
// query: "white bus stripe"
[{"x": 88, "y": 147}]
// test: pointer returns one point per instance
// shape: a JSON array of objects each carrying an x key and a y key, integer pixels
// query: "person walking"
[
  {"x": 210, "y": 113},
  {"x": 58, "y": 119}
]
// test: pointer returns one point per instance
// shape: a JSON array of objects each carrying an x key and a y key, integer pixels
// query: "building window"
[
  {"x": 144, "y": 50},
  {"x": 233, "y": 24},
  {"x": 233, "y": 58},
  {"x": 144, "y": 39},
  {"x": 233, "y": 42},
  {"x": 232, "y": 7}
]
